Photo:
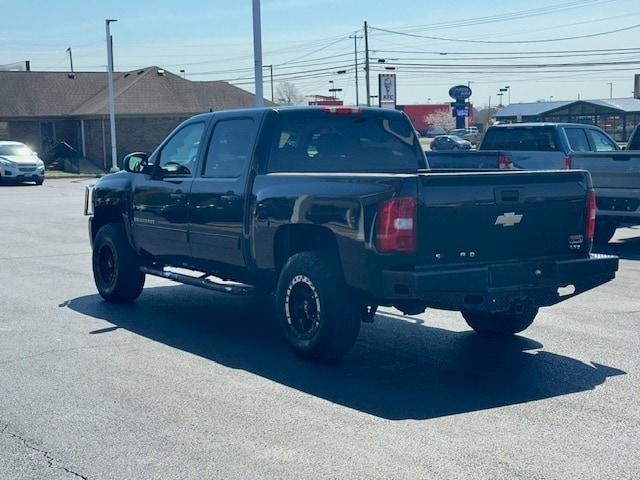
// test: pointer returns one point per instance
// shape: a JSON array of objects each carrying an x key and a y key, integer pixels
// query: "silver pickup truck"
[{"x": 616, "y": 177}]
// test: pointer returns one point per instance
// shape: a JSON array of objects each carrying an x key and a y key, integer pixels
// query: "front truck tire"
[
  {"x": 116, "y": 267},
  {"x": 318, "y": 317},
  {"x": 500, "y": 324},
  {"x": 604, "y": 232}
]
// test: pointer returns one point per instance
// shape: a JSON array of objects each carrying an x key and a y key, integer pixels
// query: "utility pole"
[
  {"x": 70, "y": 60},
  {"x": 610, "y": 89},
  {"x": 271, "y": 77},
  {"x": 355, "y": 54},
  {"x": 257, "y": 53},
  {"x": 112, "y": 107},
  {"x": 366, "y": 62}
]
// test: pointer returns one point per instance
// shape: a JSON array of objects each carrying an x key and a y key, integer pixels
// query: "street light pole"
[
  {"x": 501, "y": 93},
  {"x": 610, "y": 89},
  {"x": 112, "y": 107},
  {"x": 257, "y": 53}
]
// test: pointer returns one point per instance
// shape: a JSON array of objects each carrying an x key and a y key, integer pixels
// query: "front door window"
[{"x": 179, "y": 155}]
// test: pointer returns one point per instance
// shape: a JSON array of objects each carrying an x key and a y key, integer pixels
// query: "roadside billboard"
[{"x": 387, "y": 90}]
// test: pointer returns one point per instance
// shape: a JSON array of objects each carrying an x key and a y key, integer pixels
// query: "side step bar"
[{"x": 202, "y": 282}]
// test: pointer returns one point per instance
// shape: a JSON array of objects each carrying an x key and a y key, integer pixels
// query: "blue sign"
[
  {"x": 460, "y": 92},
  {"x": 462, "y": 112}
]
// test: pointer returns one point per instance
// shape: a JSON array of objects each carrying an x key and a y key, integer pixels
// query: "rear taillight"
[
  {"x": 567, "y": 163},
  {"x": 396, "y": 226},
  {"x": 342, "y": 110},
  {"x": 504, "y": 161},
  {"x": 591, "y": 213}
]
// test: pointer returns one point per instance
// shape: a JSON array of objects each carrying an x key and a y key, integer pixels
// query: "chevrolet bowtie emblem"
[{"x": 508, "y": 219}]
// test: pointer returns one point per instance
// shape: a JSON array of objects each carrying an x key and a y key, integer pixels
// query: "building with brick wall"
[{"x": 41, "y": 108}]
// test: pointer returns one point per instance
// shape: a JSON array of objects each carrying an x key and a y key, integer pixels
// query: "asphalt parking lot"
[{"x": 188, "y": 384}]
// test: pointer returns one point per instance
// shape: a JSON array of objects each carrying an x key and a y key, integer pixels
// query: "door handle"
[{"x": 177, "y": 195}]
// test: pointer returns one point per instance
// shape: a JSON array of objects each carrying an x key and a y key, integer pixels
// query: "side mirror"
[{"x": 136, "y": 162}]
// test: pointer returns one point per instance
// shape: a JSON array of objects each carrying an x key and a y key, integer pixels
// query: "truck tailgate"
[
  {"x": 611, "y": 169},
  {"x": 480, "y": 217}
]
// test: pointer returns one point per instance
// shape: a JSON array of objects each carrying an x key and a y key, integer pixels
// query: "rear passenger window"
[
  {"x": 577, "y": 139},
  {"x": 542, "y": 139},
  {"x": 229, "y": 148},
  {"x": 349, "y": 143},
  {"x": 601, "y": 142}
]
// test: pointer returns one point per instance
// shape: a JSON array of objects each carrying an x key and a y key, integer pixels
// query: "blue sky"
[{"x": 307, "y": 41}]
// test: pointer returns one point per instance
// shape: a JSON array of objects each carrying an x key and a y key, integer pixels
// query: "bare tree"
[
  {"x": 288, "y": 94},
  {"x": 442, "y": 119}
]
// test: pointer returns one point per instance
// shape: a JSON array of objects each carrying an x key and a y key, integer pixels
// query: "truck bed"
[{"x": 472, "y": 159}]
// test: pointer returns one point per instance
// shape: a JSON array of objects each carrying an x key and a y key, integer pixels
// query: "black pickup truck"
[{"x": 335, "y": 211}]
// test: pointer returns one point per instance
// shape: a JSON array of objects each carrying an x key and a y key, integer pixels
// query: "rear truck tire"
[
  {"x": 116, "y": 267},
  {"x": 318, "y": 317},
  {"x": 604, "y": 232},
  {"x": 501, "y": 324}
]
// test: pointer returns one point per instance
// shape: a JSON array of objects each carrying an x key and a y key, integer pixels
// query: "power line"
[
  {"x": 528, "y": 57},
  {"x": 317, "y": 50},
  {"x": 538, "y": 52},
  {"x": 540, "y": 11},
  {"x": 462, "y": 40},
  {"x": 514, "y": 66},
  {"x": 330, "y": 70}
]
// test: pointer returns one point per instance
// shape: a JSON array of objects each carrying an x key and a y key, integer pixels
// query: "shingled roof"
[
  {"x": 147, "y": 91},
  {"x": 42, "y": 94},
  {"x": 621, "y": 105}
]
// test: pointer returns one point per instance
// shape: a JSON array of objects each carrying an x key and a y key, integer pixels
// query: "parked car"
[
  {"x": 470, "y": 134},
  {"x": 18, "y": 163},
  {"x": 544, "y": 146},
  {"x": 435, "y": 131},
  {"x": 334, "y": 211},
  {"x": 450, "y": 142}
]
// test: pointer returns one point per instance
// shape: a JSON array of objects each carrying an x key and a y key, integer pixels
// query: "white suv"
[{"x": 18, "y": 163}]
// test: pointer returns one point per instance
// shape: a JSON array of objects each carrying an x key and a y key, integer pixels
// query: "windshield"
[
  {"x": 15, "y": 151},
  {"x": 345, "y": 143},
  {"x": 455, "y": 138},
  {"x": 541, "y": 139}
]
